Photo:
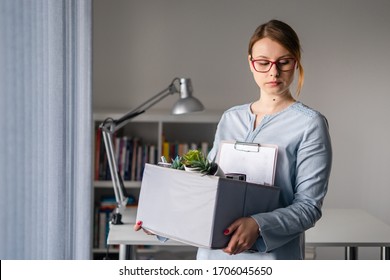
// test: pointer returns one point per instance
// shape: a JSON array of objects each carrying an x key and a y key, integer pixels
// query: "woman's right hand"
[{"x": 138, "y": 226}]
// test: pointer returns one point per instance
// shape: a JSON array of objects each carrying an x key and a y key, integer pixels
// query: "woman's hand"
[
  {"x": 138, "y": 226},
  {"x": 244, "y": 233}
]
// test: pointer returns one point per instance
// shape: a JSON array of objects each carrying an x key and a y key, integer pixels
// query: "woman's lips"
[{"x": 273, "y": 83}]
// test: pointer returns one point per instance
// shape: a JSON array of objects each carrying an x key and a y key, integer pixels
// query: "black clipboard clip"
[{"x": 247, "y": 147}]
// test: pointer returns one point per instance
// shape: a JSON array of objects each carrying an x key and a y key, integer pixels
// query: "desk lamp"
[{"x": 186, "y": 104}]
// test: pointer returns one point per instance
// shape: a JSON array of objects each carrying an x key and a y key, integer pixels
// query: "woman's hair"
[{"x": 282, "y": 33}]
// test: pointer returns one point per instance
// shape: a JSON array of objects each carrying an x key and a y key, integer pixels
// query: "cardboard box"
[{"x": 196, "y": 209}]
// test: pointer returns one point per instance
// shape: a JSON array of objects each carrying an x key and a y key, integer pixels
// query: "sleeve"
[{"x": 312, "y": 171}]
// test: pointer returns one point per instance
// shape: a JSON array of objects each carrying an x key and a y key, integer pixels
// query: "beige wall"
[{"x": 140, "y": 46}]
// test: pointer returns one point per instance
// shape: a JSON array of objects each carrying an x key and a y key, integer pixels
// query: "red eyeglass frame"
[{"x": 273, "y": 63}]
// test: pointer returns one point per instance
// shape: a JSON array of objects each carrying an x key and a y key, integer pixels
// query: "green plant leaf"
[{"x": 196, "y": 159}]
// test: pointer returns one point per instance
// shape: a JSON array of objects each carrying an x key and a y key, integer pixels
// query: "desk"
[
  {"x": 350, "y": 228},
  {"x": 128, "y": 239}
]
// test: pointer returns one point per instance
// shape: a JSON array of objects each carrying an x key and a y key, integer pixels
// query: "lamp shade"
[{"x": 187, "y": 103}]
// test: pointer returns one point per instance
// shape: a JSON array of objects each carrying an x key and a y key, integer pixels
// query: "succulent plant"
[
  {"x": 196, "y": 160},
  {"x": 177, "y": 163}
]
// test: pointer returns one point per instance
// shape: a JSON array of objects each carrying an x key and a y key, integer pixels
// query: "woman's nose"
[{"x": 274, "y": 71}]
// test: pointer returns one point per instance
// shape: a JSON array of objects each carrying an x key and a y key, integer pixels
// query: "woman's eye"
[
  {"x": 288, "y": 61},
  {"x": 263, "y": 62},
  {"x": 284, "y": 61}
]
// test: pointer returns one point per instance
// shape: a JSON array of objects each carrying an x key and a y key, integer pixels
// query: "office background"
[{"x": 139, "y": 46}]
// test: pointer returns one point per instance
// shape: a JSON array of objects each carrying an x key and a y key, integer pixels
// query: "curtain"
[{"x": 46, "y": 129}]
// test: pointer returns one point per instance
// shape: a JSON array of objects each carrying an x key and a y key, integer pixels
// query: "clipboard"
[{"x": 257, "y": 161}]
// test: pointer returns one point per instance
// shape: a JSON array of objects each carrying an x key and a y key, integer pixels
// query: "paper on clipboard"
[{"x": 256, "y": 161}]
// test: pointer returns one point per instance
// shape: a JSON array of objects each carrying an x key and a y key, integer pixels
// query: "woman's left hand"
[{"x": 244, "y": 233}]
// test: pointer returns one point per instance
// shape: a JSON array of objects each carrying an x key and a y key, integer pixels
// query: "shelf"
[{"x": 163, "y": 116}]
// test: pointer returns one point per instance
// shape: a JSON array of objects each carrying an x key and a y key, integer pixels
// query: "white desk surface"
[
  {"x": 125, "y": 234},
  {"x": 337, "y": 227},
  {"x": 348, "y": 227}
]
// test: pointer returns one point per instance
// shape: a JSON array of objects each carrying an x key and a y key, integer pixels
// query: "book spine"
[
  {"x": 165, "y": 150},
  {"x": 152, "y": 154},
  {"x": 204, "y": 148},
  {"x": 97, "y": 153},
  {"x": 134, "y": 160},
  {"x": 123, "y": 155},
  {"x": 96, "y": 228},
  {"x": 102, "y": 229},
  {"x": 139, "y": 163}
]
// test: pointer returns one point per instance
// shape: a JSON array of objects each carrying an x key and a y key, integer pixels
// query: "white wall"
[{"x": 140, "y": 46}]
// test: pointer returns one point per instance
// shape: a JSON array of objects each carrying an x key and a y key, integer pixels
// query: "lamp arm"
[
  {"x": 121, "y": 199},
  {"x": 171, "y": 89}
]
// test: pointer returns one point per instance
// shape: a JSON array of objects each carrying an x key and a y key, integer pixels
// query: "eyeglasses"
[{"x": 264, "y": 65}]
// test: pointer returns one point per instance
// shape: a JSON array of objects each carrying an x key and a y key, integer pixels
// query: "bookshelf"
[{"x": 156, "y": 133}]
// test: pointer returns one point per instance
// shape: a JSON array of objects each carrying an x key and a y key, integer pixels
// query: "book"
[
  {"x": 97, "y": 153},
  {"x": 103, "y": 228},
  {"x": 165, "y": 150},
  {"x": 133, "y": 175},
  {"x": 205, "y": 148},
  {"x": 152, "y": 154},
  {"x": 128, "y": 159},
  {"x": 139, "y": 163},
  {"x": 122, "y": 157}
]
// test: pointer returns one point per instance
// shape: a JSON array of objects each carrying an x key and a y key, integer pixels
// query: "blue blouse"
[{"x": 302, "y": 172}]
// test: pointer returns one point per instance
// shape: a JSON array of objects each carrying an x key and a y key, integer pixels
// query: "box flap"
[{"x": 175, "y": 203}]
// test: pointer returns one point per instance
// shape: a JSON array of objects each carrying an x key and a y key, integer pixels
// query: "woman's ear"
[{"x": 250, "y": 63}]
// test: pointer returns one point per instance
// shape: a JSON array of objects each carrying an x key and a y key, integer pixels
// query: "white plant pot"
[
  {"x": 218, "y": 173},
  {"x": 190, "y": 169}
]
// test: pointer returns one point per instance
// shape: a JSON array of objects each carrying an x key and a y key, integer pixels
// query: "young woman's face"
[{"x": 269, "y": 54}]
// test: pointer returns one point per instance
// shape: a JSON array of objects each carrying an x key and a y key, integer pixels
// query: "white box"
[{"x": 196, "y": 209}]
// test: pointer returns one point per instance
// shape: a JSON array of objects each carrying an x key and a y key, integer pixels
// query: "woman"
[{"x": 304, "y": 150}]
